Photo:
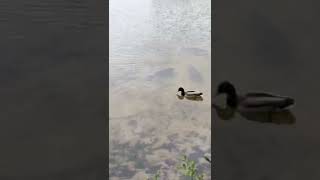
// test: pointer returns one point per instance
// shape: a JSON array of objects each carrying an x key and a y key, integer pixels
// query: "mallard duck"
[
  {"x": 188, "y": 94},
  {"x": 255, "y": 101}
]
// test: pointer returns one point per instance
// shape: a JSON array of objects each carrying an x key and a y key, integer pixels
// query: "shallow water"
[{"x": 156, "y": 47}]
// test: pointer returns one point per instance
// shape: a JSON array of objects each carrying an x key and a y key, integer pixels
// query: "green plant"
[
  {"x": 156, "y": 176},
  {"x": 189, "y": 169}
]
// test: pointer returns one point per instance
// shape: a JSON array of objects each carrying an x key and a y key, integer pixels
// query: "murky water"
[
  {"x": 52, "y": 83},
  {"x": 265, "y": 51},
  {"x": 156, "y": 47}
]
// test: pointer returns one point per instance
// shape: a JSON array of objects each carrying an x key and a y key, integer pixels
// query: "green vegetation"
[
  {"x": 156, "y": 176},
  {"x": 188, "y": 168}
]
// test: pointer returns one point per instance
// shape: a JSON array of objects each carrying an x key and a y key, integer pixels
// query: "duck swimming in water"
[
  {"x": 255, "y": 101},
  {"x": 190, "y": 95}
]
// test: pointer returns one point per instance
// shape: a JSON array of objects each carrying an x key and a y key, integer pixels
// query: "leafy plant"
[
  {"x": 156, "y": 176},
  {"x": 188, "y": 168}
]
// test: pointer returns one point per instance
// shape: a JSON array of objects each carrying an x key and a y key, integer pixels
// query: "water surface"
[
  {"x": 262, "y": 48},
  {"x": 52, "y": 80},
  {"x": 156, "y": 47}
]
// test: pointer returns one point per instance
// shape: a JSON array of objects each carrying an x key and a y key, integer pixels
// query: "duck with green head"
[
  {"x": 190, "y": 95},
  {"x": 256, "y": 101}
]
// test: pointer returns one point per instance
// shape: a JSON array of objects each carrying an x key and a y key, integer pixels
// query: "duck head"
[
  {"x": 227, "y": 88},
  {"x": 182, "y": 91}
]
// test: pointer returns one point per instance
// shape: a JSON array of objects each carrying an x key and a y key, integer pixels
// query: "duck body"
[
  {"x": 263, "y": 101},
  {"x": 189, "y": 94},
  {"x": 253, "y": 101},
  {"x": 192, "y": 94}
]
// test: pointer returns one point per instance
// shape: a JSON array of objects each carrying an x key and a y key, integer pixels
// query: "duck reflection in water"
[
  {"x": 255, "y": 106},
  {"x": 198, "y": 98},
  {"x": 276, "y": 117}
]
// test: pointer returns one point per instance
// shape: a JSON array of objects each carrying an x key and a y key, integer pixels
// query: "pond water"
[
  {"x": 52, "y": 86},
  {"x": 156, "y": 47},
  {"x": 268, "y": 52}
]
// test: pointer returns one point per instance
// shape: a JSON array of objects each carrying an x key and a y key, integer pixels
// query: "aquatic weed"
[
  {"x": 188, "y": 168},
  {"x": 156, "y": 176}
]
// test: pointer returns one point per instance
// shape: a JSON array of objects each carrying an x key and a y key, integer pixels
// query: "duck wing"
[
  {"x": 261, "y": 94},
  {"x": 265, "y": 100},
  {"x": 193, "y": 93}
]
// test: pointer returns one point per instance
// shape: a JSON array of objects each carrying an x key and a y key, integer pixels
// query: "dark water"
[
  {"x": 52, "y": 77},
  {"x": 273, "y": 47}
]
